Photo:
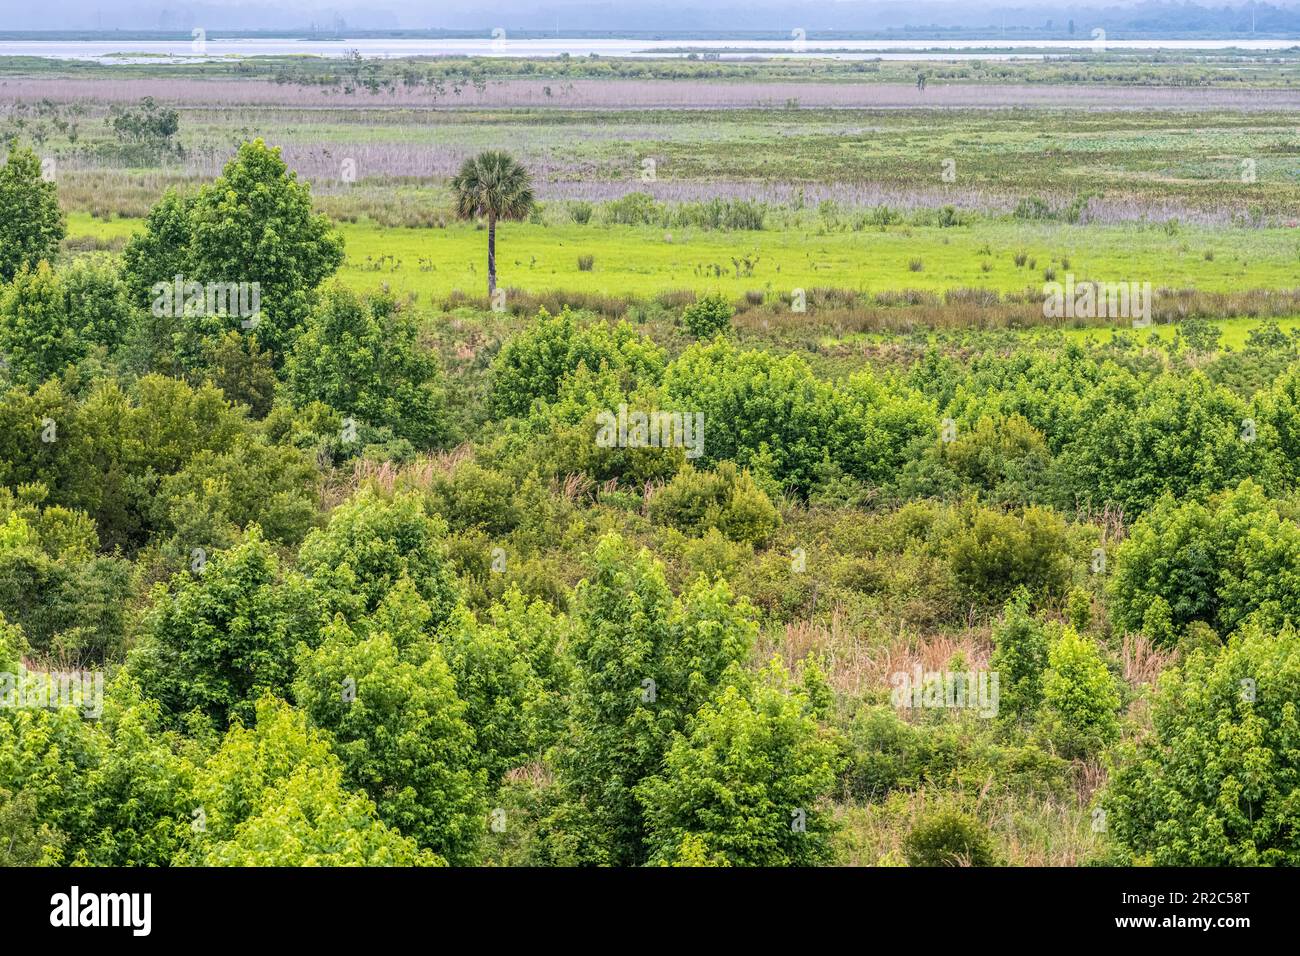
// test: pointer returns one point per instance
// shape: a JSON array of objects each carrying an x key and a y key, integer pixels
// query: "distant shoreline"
[{"x": 116, "y": 48}]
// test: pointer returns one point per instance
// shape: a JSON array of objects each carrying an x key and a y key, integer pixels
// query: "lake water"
[{"x": 128, "y": 51}]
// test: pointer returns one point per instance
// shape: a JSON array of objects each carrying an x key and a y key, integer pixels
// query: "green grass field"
[{"x": 641, "y": 262}]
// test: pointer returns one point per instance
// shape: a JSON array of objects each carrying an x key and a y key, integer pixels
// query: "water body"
[{"x": 798, "y": 47}]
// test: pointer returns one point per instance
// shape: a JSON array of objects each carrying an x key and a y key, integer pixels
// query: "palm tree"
[{"x": 493, "y": 185}]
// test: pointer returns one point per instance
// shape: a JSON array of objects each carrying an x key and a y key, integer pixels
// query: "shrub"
[
  {"x": 37, "y": 333},
  {"x": 1215, "y": 783},
  {"x": 947, "y": 836},
  {"x": 363, "y": 358},
  {"x": 389, "y": 702},
  {"x": 996, "y": 553},
  {"x": 645, "y": 663},
  {"x": 746, "y": 781},
  {"x": 477, "y": 497},
  {"x": 1019, "y": 659},
  {"x": 707, "y": 317},
  {"x": 726, "y": 498},
  {"x": 274, "y": 795},
  {"x": 217, "y": 641},
  {"x": 1080, "y": 699},
  {"x": 1032, "y": 207},
  {"x": 1217, "y": 563},
  {"x": 1008, "y": 458},
  {"x": 775, "y": 417},
  {"x": 535, "y": 363},
  {"x": 371, "y": 543}
]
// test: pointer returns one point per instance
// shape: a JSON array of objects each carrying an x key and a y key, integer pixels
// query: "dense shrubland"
[{"x": 349, "y": 616}]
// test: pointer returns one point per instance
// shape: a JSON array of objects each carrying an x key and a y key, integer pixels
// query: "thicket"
[{"x": 345, "y": 619}]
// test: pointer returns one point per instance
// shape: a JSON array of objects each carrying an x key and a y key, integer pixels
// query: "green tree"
[
  {"x": 37, "y": 333},
  {"x": 511, "y": 672},
  {"x": 645, "y": 662},
  {"x": 1215, "y": 784},
  {"x": 1080, "y": 699},
  {"x": 493, "y": 186},
  {"x": 147, "y": 124},
  {"x": 220, "y": 637},
  {"x": 139, "y": 788},
  {"x": 255, "y": 224},
  {"x": 364, "y": 359},
  {"x": 274, "y": 795},
  {"x": 118, "y": 443},
  {"x": 67, "y": 597},
  {"x": 398, "y": 726},
  {"x": 746, "y": 781},
  {"x": 31, "y": 224},
  {"x": 371, "y": 543},
  {"x": 534, "y": 363},
  {"x": 98, "y": 301},
  {"x": 161, "y": 251},
  {"x": 46, "y": 758},
  {"x": 708, "y": 317},
  {"x": 1019, "y": 659}
]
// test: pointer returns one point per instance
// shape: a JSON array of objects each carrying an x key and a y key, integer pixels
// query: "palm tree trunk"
[{"x": 492, "y": 255}]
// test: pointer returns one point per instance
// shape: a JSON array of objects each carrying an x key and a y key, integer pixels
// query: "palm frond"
[{"x": 493, "y": 184}]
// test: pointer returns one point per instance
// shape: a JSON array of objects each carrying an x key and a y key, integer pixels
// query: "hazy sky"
[{"x": 614, "y": 15}]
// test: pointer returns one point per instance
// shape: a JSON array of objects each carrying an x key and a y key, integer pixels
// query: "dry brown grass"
[
  {"x": 846, "y": 312},
  {"x": 535, "y": 774},
  {"x": 1143, "y": 662},
  {"x": 856, "y": 661},
  {"x": 574, "y": 487},
  {"x": 390, "y": 476}
]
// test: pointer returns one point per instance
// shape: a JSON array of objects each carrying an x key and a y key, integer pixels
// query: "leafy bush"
[
  {"x": 725, "y": 498},
  {"x": 389, "y": 703},
  {"x": 534, "y": 363},
  {"x": 37, "y": 332},
  {"x": 947, "y": 836},
  {"x": 216, "y": 640},
  {"x": 996, "y": 553},
  {"x": 1080, "y": 699},
  {"x": 371, "y": 544},
  {"x": 707, "y": 317},
  {"x": 274, "y": 795},
  {"x": 1217, "y": 563},
  {"x": 364, "y": 359},
  {"x": 1215, "y": 784},
  {"x": 745, "y": 782},
  {"x": 1020, "y": 656},
  {"x": 645, "y": 662}
]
